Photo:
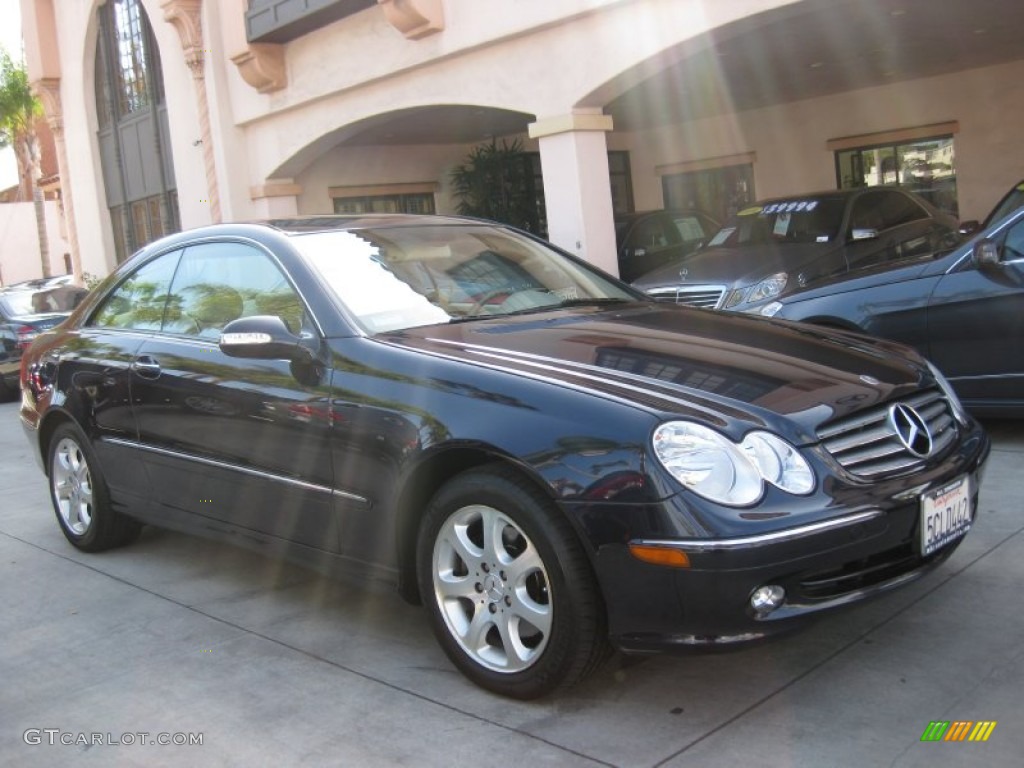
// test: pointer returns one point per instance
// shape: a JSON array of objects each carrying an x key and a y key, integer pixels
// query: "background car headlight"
[
  {"x": 718, "y": 469},
  {"x": 768, "y": 288},
  {"x": 947, "y": 389},
  {"x": 779, "y": 463}
]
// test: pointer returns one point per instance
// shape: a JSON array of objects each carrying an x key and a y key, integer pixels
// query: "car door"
[
  {"x": 242, "y": 442},
  {"x": 93, "y": 373},
  {"x": 976, "y": 323}
]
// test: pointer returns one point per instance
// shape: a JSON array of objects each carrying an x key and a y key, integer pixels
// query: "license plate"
[{"x": 945, "y": 515}]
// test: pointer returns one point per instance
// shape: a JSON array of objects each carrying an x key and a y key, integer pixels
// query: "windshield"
[
  {"x": 1013, "y": 200},
  {"x": 404, "y": 277},
  {"x": 804, "y": 220}
]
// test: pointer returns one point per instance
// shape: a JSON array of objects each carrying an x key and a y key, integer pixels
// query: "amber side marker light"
[{"x": 660, "y": 555}]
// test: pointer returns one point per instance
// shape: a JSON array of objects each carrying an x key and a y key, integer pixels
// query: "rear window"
[{"x": 60, "y": 299}]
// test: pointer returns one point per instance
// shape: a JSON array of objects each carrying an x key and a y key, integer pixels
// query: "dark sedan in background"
[
  {"x": 542, "y": 456},
  {"x": 778, "y": 246},
  {"x": 963, "y": 309},
  {"x": 25, "y": 310}
]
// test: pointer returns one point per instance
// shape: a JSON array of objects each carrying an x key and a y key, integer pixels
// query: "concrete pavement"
[{"x": 272, "y": 665}]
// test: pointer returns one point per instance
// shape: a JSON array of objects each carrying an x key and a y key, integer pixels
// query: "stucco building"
[{"x": 171, "y": 114}]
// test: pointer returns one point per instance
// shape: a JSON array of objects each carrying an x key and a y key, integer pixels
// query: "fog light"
[{"x": 767, "y": 599}]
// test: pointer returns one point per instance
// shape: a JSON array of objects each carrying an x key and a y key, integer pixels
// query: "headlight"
[
  {"x": 779, "y": 463},
  {"x": 718, "y": 469},
  {"x": 768, "y": 288},
  {"x": 771, "y": 309},
  {"x": 947, "y": 389},
  {"x": 736, "y": 297}
]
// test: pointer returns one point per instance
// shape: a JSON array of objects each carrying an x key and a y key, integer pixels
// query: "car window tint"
[
  {"x": 653, "y": 233},
  {"x": 895, "y": 209},
  {"x": 220, "y": 282},
  {"x": 140, "y": 300}
]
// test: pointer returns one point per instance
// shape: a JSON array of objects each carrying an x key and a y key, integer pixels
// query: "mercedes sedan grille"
[{"x": 706, "y": 296}]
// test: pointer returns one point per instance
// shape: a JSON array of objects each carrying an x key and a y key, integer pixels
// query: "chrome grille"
[
  {"x": 707, "y": 296},
  {"x": 866, "y": 444}
]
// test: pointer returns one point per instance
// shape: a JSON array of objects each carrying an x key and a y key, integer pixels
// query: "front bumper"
[{"x": 858, "y": 552}]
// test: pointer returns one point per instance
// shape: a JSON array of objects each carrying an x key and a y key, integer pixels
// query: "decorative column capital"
[
  {"x": 414, "y": 18},
  {"x": 47, "y": 89},
  {"x": 186, "y": 18},
  {"x": 261, "y": 65}
]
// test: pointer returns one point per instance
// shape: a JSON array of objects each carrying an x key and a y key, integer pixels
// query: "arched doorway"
[{"x": 133, "y": 131}]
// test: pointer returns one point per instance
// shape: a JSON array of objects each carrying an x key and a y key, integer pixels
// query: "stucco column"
[
  {"x": 275, "y": 199},
  {"x": 577, "y": 190},
  {"x": 48, "y": 90},
  {"x": 185, "y": 16}
]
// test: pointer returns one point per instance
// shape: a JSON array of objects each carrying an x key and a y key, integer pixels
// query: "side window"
[
  {"x": 220, "y": 282},
  {"x": 654, "y": 233},
  {"x": 140, "y": 301},
  {"x": 867, "y": 212},
  {"x": 897, "y": 209}
]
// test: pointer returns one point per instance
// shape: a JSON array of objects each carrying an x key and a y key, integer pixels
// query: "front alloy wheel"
[
  {"x": 492, "y": 589},
  {"x": 508, "y": 588}
]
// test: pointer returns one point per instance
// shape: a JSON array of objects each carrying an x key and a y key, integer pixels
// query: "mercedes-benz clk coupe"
[{"x": 552, "y": 463}]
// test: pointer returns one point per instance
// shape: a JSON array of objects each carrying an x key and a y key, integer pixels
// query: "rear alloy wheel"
[
  {"x": 509, "y": 590},
  {"x": 79, "y": 495}
]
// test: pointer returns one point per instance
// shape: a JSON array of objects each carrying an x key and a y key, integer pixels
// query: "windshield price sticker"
[
  {"x": 796, "y": 206},
  {"x": 945, "y": 515}
]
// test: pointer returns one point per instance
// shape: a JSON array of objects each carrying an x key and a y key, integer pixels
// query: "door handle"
[{"x": 146, "y": 367}]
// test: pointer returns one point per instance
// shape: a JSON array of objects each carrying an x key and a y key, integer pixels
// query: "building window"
[
  {"x": 925, "y": 167},
  {"x": 717, "y": 190},
  {"x": 920, "y": 160},
  {"x": 417, "y": 202},
  {"x": 137, "y": 168}
]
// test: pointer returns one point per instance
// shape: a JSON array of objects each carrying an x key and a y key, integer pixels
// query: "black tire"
[
  {"x": 79, "y": 495},
  {"x": 518, "y": 613}
]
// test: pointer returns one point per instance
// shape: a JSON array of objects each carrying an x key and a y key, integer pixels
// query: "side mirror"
[
  {"x": 863, "y": 233},
  {"x": 969, "y": 227},
  {"x": 263, "y": 337},
  {"x": 986, "y": 254}
]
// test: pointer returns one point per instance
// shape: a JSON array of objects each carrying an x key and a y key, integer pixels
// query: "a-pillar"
[{"x": 577, "y": 190}]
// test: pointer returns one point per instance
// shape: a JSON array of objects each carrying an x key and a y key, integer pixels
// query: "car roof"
[{"x": 326, "y": 223}]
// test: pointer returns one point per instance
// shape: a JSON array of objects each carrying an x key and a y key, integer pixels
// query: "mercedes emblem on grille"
[
  {"x": 911, "y": 429},
  {"x": 683, "y": 273}
]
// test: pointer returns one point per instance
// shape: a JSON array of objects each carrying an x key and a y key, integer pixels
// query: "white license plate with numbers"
[{"x": 945, "y": 515}]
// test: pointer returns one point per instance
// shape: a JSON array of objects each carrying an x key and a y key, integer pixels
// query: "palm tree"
[{"x": 19, "y": 109}]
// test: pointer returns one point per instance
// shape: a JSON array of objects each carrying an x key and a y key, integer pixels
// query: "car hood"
[
  {"x": 734, "y": 266},
  {"x": 727, "y": 370}
]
